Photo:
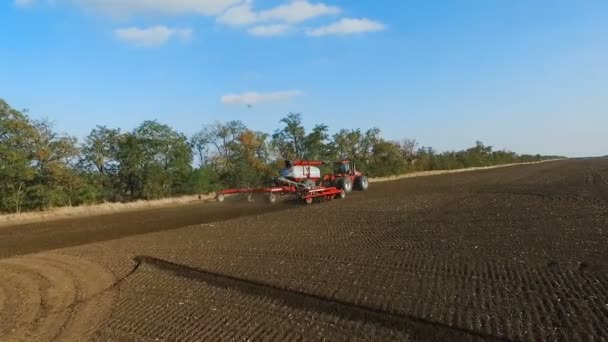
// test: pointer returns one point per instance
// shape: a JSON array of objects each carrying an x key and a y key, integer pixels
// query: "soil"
[
  {"x": 518, "y": 253},
  {"x": 37, "y": 237}
]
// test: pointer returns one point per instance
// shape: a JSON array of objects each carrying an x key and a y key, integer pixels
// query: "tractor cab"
[
  {"x": 346, "y": 168},
  {"x": 343, "y": 168}
]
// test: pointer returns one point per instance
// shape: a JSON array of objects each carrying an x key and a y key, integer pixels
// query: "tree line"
[{"x": 41, "y": 169}]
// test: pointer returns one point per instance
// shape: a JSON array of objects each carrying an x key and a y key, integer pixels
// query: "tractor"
[
  {"x": 302, "y": 179},
  {"x": 345, "y": 176}
]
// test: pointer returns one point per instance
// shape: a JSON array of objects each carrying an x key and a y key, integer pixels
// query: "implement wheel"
[
  {"x": 272, "y": 198},
  {"x": 341, "y": 195},
  {"x": 250, "y": 198},
  {"x": 220, "y": 197},
  {"x": 308, "y": 200}
]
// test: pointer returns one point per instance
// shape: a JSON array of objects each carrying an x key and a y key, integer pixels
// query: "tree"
[
  {"x": 36, "y": 163},
  {"x": 17, "y": 135},
  {"x": 54, "y": 157},
  {"x": 202, "y": 180},
  {"x": 262, "y": 150},
  {"x": 130, "y": 156},
  {"x": 477, "y": 155},
  {"x": 316, "y": 146},
  {"x": 386, "y": 160},
  {"x": 200, "y": 144},
  {"x": 289, "y": 141},
  {"x": 99, "y": 163},
  {"x": 370, "y": 139},
  {"x": 355, "y": 145},
  {"x": 425, "y": 157},
  {"x": 214, "y": 143},
  {"x": 246, "y": 166},
  {"x": 346, "y": 143},
  {"x": 407, "y": 148},
  {"x": 100, "y": 149},
  {"x": 163, "y": 160}
]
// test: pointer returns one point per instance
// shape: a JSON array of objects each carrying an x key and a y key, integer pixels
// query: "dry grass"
[
  {"x": 440, "y": 172},
  {"x": 97, "y": 209}
]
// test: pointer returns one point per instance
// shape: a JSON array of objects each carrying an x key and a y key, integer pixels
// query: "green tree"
[
  {"x": 214, "y": 144},
  {"x": 368, "y": 143},
  {"x": 100, "y": 149},
  {"x": 99, "y": 163},
  {"x": 202, "y": 180},
  {"x": 408, "y": 149},
  {"x": 316, "y": 144},
  {"x": 54, "y": 158},
  {"x": 386, "y": 160},
  {"x": 200, "y": 144},
  {"x": 246, "y": 166},
  {"x": 289, "y": 141},
  {"x": 17, "y": 137},
  {"x": 131, "y": 159},
  {"x": 356, "y": 145},
  {"x": 425, "y": 158},
  {"x": 165, "y": 159},
  {"x": 346, "y": 143}
]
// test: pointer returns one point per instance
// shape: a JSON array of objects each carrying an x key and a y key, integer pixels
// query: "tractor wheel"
[
  {"x": 310, "y": 184},
  {"x": 345, "y": 184},
  {"x": 220, "y": 197},
  {"x": 272, "y": 198},
  {"x": 362, "y": 183}
]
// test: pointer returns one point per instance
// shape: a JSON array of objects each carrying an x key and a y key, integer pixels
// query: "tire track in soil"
[
  {"x": 52, "y": 297},
  {"x": 417, "y": 328}
]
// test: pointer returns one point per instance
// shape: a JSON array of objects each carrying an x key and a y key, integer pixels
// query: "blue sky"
[{"x": 530, "y": 76}]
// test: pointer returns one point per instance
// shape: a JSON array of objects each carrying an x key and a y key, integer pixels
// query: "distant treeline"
[{"x": 40, "y": 168}]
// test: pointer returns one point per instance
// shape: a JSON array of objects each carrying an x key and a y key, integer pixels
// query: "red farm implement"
[
  {"x": 302, "y": 179},
  {"x": 289, "y": 189}
]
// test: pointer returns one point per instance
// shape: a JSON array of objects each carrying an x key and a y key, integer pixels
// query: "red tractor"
[{"x": 346, "y": 177}]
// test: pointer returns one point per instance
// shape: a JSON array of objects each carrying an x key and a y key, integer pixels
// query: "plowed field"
[{"x": 516, "y": 253}]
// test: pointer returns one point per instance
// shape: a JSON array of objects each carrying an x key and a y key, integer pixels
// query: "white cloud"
[
  {"x": 348, "y": 26},
  {"x": 24, "y": 3},
  {"x": 153, "y": 36},
  {"x": 251, "y": 98},
  {"x": 295, "y": 11},
  {"x": 127, "y": 7},
  {"x": 269, "y": 22},
  {"x": 298, "y": 11},
  {"x": 268, "y": 30},
  {"x": 240, "y": 15}
]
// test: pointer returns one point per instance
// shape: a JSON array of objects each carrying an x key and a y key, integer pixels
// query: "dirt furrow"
[{"x": 57, "y": 297}]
